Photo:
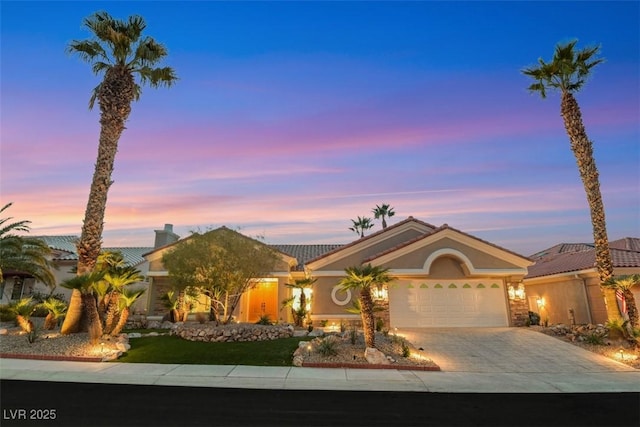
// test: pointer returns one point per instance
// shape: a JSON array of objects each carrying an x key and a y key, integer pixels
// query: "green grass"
[{"x": 171, "y": 349}]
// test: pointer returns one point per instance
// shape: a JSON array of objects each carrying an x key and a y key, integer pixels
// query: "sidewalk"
[{"x": 294, "y": 378}]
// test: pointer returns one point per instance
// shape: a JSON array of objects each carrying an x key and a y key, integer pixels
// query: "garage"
[{"x": 458, "y": 303}]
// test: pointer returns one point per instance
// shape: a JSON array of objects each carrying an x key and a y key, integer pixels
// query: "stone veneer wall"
[
  {"x": 519, "y": 310},
  {"x": 231, "y": 333}
]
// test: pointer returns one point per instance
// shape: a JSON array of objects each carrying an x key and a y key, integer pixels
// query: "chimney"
[{"x": 165, "y": 237}]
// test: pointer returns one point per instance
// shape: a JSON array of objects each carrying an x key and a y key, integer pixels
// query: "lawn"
[{"x": 171, "y": 349}]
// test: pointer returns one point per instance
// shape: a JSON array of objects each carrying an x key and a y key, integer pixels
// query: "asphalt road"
[{"x": 33, "y": 403}]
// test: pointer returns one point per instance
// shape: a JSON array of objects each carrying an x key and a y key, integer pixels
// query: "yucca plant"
[{"x": 55, "y": 310}]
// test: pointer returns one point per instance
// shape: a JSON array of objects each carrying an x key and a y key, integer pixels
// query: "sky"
[{"x": 290, "y": 119}]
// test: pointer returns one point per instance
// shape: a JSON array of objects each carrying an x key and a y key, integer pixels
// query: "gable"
[
  {"x": 356, "y": 252},
  {"x": 448, "y": 251}
]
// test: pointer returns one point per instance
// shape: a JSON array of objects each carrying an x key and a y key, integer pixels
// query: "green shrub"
[
  {"x": 264, "y": 320},
  {"x": 594, "y": 338},
  {"x": 323, "y": 323},
  {"x": 353, "y": 336},
  {"x": 328, "y": 347},
  {"x": 406, "y": 350},
  {"x": 534, "y": 318},
  {"x": 379, "y": 324},
  {"x": 7, "y": 314}
]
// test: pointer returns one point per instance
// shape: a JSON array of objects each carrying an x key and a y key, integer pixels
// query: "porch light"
[
  {"x": 380, "y": 292},
  {"x": 540, "y": 302},
  {"x": 621, "y": 354},
  {"x": 516, "y": 292}
]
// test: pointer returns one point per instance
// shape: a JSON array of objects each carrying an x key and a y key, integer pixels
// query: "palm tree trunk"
[
  {"x": 583, "y": 150},
  {"x": 71, "y": 322},
  {"x": 111, "y": 318},
  {"x": 122, "y": 321},
  {"x": 25, "y": 323},
  {"x": 632, "y": 308},
  {"x": 50, "y": 322},
  {"x": 91, "y": 310},
  {"x": 368, "y": 319}
]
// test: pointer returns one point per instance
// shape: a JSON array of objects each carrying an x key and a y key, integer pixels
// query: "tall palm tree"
[
  {"x": 361, "y": 225},
  {"x": 23, "y": 254},
  {"x": 567, "y": 73},
  {"x": 119, "y": 52},
  {"x": 382, "y": 212},
  {"x": 362, "y": 279}
]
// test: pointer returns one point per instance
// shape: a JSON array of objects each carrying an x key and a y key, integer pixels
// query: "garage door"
[{"x": 447, "y": 303}]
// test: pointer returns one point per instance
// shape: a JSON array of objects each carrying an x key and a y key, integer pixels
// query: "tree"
[
  {"x": 118, "y": 52},
  {"x": 361, "y": 225},
  {"x": 301, "y": 312},
  {"x": 567, "y": 73},
  {"x": 23, "y": 254},
  {"x": 83, "y": 311},
  {"x": 55, "y": 310},
  {"x": 362, "y": 279},
  {"x": 624, "y": 285},
  {"x": 223, "y": 264},
  {"x": 126, "y": 299},
  {"x": 382, "y": 212}
]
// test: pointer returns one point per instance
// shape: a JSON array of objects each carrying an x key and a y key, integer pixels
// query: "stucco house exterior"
[
  {"x": 563, "y": 285},
  {"x": 443, "y": 277}
]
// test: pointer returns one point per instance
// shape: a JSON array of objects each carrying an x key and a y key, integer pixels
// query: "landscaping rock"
[
  {"x": 317, "y": 332},
  {"x": 134, "y": 335},
  {"x": 231, "y": 333},
  {"x": 375, "y": 356},
  {"x": 4, "y": 331}
]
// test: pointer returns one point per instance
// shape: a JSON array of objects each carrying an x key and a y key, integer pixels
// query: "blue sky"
[{"x": 292, "y": 118}]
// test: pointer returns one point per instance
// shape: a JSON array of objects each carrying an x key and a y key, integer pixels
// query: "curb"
[
  {"x": 50, "y": 357},
  {"x": 363, "y": 366}
]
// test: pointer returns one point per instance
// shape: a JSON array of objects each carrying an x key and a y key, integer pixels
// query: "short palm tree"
[
  {"x": 120, "y": 53},
  {"x": 362, "y": 279},
  {"x": 382, "y": 212},
  {"x": 624, "y": 285},
  {"x": 301, "y": 312},
  {"x": 23, "y": 254},
  {"x": 82, "y": 306},
  {"x": 567, "y": 73},
  {"x": 127, "y": 298},
  {"x": 55, "y": 310},
  {"x": 117, "y": 279},
  {"x": 361, "y": 225},
  {"x": 23, "y": 309}
]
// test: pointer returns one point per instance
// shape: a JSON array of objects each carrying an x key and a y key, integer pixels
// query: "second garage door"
[{"x": 462, "y": 303}]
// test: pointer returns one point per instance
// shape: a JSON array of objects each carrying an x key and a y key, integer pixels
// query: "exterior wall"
[
  {"x": 479, "y": 259},
  {"x": 446, "y": 267},
  {"x": 562, "y": 295}
]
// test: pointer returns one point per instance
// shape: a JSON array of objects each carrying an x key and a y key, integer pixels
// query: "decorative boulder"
[{"x": 375, "y": 356}]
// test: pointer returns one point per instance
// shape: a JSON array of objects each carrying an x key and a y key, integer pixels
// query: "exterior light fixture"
[
  {"x": 540, "y": 301},
  {"x": 309, "y": 350},
  {"x": 380, "y": 292},
  {"x": 621, "y": 354},
  {"x": 516, "y": 292}
]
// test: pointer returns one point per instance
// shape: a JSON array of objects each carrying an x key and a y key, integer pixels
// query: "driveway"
[{"x": 506, "y": 350}]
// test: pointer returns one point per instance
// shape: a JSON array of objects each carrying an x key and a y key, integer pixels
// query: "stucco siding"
[{"x": 559, "y": 297}]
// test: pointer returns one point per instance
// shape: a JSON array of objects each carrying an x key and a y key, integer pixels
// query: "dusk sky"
[{"x": 292, "y": 118}]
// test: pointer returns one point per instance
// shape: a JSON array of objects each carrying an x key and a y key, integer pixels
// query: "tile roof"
[
  {"x": 568, "y": 257},
  {"x": 64, "y": 248},
  {"x": 304, "y": 253}
]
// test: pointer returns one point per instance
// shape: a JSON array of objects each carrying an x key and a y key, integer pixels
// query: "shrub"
[
  {"x": 379, "y": 324},
  {"x": 406, "y": 351},
  {"x": 323, "y": 323},
  {"x": 594, "y": 338},
  {"x": 534, "y": 318},
  {"x": 353, "y": 336},
  {"x": 264, "y": 320},
  {"x": 328, "y": 347},
  {"x": 7, "y": 314}
]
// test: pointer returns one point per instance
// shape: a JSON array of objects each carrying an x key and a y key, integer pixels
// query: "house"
[
  {"x": 443, "y": 277},
  {"x": 563, "y": 285}
]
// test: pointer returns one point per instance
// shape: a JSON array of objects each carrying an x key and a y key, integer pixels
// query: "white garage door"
[{"x": 431, "y": 303}]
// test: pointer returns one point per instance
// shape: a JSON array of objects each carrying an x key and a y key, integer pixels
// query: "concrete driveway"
[{"x": 506, "y": 350}]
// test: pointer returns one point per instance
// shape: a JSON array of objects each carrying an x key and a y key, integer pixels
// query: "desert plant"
[
  {"x": 406, "y": 350},
  {"x": 534, "y": 318},
  {"x": 22, "y": 309},
  {"x": 353, "y": 336},
  {"x": 379, "y": 324},
  {"x": 171, "y": 302},
  {"x": 594, "y": 338},
  {"x": 55, "y": 310},
  {"x": 328, "y": 347},
  {"x": 264, "y": 320}
]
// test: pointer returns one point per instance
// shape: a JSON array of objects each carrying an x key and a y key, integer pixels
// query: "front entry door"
[{"x": 263, "y": 300}]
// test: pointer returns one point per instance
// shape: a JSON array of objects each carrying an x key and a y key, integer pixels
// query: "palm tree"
[
  {"x": 23, "y": 309},
  {"x": 300, "y": 313},
  {"x": 624, "y": 284},
  {"x": 567, "y": 72},
  {"x": 361, "y": 225},
  {"x": 127, "y": 298},
  {"x": 120, "y": 53},
  {"x": 56, "y": 309},
  {"x": 363, "y": 279},
  {"x": 382, "y": 212},
  {"x": 82, "y": 306},
  {"x": 23, "y": 254}
]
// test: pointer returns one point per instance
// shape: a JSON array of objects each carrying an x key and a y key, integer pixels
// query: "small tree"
[
  {"x": 301, "y": 312},
  {"x": 624, "y": 285},
  {"x": 126, "y": 299},
  {"x": 363, "y": 278},
  {"x": 223, "y": 264},
  {"x": 55, "y": 310}
]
